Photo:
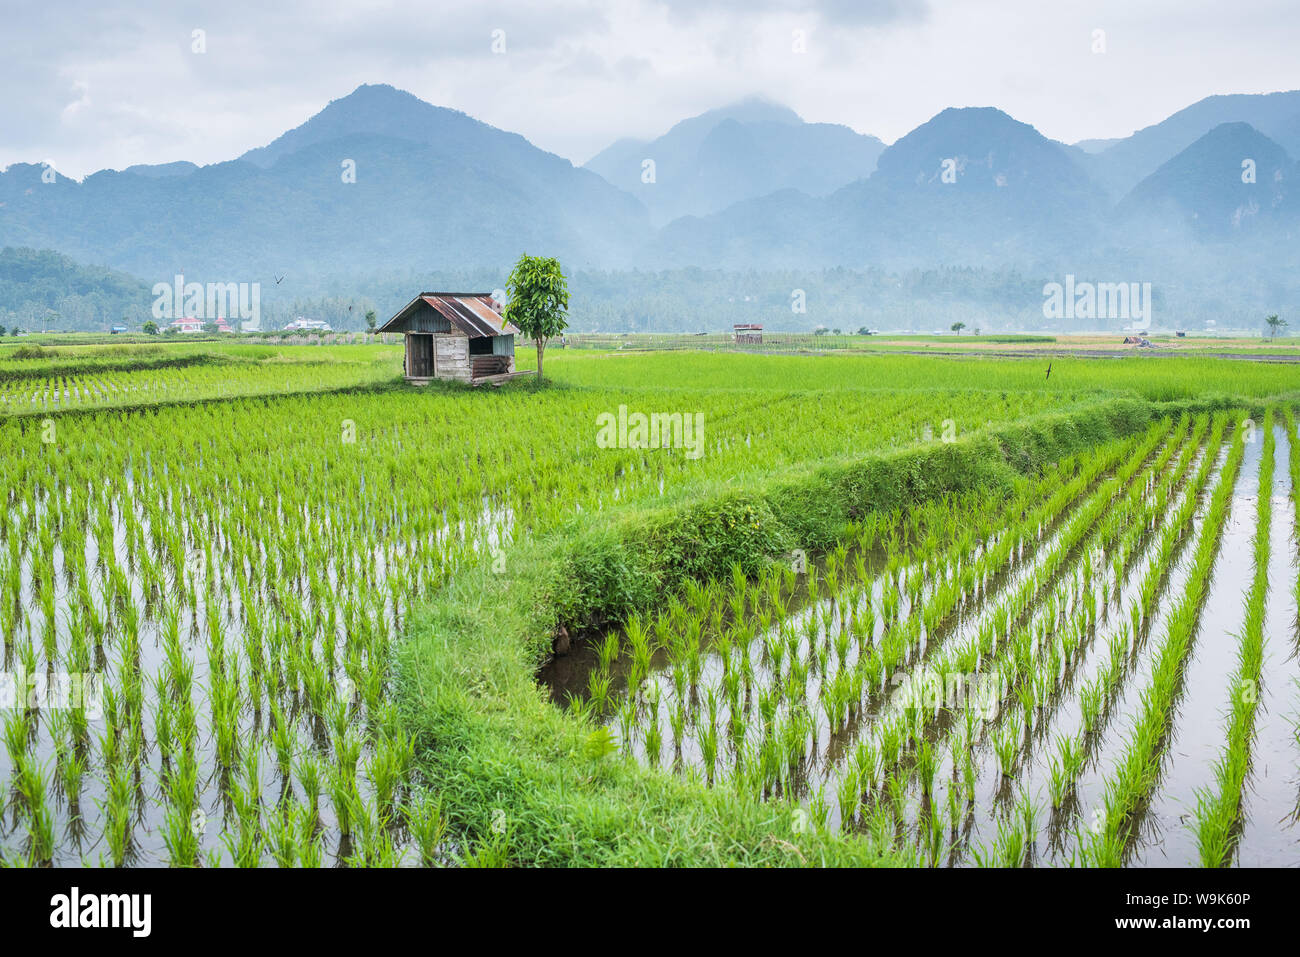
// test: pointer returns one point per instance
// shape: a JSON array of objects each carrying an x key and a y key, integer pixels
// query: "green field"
[{"x": 317, "y": 607}]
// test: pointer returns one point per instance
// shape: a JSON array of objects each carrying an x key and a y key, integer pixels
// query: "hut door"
[{"x": 421, "y": 356}]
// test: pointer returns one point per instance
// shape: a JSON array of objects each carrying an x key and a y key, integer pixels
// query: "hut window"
[{"x": 481, "y": 347}]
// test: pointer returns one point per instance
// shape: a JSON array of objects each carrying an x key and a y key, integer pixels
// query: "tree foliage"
[{"x": 538, "y": 300}]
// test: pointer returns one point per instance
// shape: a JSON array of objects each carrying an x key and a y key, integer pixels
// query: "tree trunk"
[{"x": 541, "y": 347}]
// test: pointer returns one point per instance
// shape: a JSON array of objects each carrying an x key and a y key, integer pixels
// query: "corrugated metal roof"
[{"x": 476, "y": 314}]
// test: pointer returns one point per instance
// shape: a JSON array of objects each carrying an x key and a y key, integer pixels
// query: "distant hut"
[
  {"x": 456, "y": 335},
  {"x": 748, "y": 333}
]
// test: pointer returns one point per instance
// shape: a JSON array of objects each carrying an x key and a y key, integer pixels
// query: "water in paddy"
[
  {"x": 1062, "y": 714},
  {"x": 1164, "y": 834},
  {"x": 1270, "y": 836},
  {"x": 1199, "y": 723}
]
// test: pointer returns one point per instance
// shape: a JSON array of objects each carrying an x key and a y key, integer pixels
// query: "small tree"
[
  {"x": 538, "y": 301},
  {"x": 371, "y": 320},
  {"x": 957, "y": 327},
  {"x": 150, "y": 328},
  {"x": 1274, "y": 324}
]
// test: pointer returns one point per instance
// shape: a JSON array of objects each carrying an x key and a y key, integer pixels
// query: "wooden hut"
[
  {"x": 456, "y": 335},
  {"x": 748, "y": 333}
]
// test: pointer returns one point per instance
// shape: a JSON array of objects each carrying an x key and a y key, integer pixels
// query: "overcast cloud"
[{"x": 91, "y": 85}]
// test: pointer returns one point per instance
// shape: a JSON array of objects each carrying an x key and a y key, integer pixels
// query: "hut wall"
[
  {"x": 451, "y": 356},
  {"x": 437, "y": 356}
]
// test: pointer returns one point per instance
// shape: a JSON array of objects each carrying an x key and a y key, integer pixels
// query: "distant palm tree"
[{"x": 1274, "y": 324}]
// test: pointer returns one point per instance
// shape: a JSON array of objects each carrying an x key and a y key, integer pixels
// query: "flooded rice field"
[{"x": 1100, "y": 670}]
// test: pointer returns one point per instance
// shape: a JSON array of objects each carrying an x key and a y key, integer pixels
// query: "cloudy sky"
[{"x": 91, "y": 85}]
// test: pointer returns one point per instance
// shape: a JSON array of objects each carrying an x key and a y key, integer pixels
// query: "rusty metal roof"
[{"x": 476, "y": 314}]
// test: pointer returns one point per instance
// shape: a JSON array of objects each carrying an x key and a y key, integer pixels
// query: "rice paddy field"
[
  {"x": 270, "y": 606},
  {"x": 1279, "y": 348}
]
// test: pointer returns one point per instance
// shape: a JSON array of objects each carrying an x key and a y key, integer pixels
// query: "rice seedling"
[
  {"x": 247, "y": 842},
  {"x": 927, "y": 765},
  {"x": 1091, "y": 697},
  {"x": 383, "y": 768},
  {"x": 1007, "y": 746},
  {"x": 117, "y": 811},
  {"x": 41, "y": 834},
  {"x": 282, "y": 835},
  {"x": 309, "y": 842},
  {"x": 428, "y": 826},
  {"x": 653, "y": 735},
  {"x": 819, "y": 809}
]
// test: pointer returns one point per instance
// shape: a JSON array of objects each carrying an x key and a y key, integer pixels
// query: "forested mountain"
[{"x": 45, "y": 289}]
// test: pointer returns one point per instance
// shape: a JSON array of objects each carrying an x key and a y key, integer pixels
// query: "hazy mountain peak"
[
  {"x": 732, "y": 153},
  {"x": 370, "y": 109},
  {"x": 751, "y": 109},
  {"x": 1277, "y": 115},
  {"x": 1231, "y": 179},
  {"x": 978, "y": 148}
]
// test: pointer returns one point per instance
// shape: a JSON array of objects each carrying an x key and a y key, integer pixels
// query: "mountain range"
[{"x": 381, "y": 182}]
